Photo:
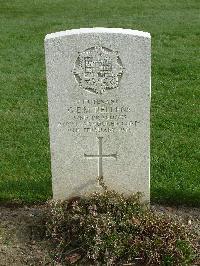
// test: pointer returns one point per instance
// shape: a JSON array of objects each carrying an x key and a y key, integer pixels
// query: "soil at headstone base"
[
  {"x": 22, "y": 236},
  {"x": 22, "y": 233}
]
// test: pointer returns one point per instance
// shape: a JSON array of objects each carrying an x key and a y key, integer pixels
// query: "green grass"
[{"x": 175, "y": 113}]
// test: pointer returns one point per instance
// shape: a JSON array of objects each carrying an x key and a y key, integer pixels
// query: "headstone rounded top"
[{"x": 98, "y": 30}]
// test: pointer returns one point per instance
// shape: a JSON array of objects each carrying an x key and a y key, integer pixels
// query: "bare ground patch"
[{"x": 22, "y": 236}]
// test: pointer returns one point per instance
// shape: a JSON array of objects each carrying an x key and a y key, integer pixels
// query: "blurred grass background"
[{"x": 175, "y": 113}]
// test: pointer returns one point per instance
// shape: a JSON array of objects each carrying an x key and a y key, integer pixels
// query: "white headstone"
[{"x": 99, "y": 110}]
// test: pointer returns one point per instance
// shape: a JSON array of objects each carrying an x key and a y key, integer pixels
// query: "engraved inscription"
[
  {"x": 100, "y": 157},
  {"x": 98, "y": 69},
  {"x": 99, "y": 116}
]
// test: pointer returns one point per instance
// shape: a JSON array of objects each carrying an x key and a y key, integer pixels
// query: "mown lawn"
[{"x": 175, "y": 114}]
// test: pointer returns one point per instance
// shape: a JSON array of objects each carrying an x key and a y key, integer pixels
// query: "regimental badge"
[{"x": 98, "y": 69}]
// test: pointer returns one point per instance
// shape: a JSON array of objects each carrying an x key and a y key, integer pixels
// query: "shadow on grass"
[
  {"x": 25, "y": 191},
  {"x": 175, "y": 197}
]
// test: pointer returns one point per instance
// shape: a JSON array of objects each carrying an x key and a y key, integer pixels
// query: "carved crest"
[{"x": 98, "y": 69}]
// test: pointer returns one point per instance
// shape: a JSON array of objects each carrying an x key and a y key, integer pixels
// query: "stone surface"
[{"x": 99, "y": 110}]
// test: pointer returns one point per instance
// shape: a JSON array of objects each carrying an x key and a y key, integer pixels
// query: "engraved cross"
[{"x": 100, "y": 157}]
